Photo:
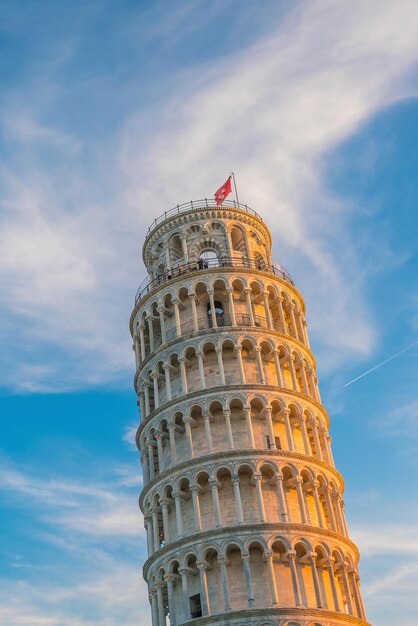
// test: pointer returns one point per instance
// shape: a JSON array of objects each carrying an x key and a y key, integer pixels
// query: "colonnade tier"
[
  {"x": 254, "y": 422},
  {"x": 210, "y": 299},
  {"x": 235, "y": 491},
  {"x": 243, "y": 507},
  {"x": 204, "y": 363},
  {"x": 278, "y": 566}
]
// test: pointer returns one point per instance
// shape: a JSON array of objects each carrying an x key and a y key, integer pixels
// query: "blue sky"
[{"x": 111, "y": 113}]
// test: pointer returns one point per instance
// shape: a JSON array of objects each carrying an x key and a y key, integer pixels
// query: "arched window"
[
  {"x": 219, "y": 312},
  {"x": 208, "y": 258}
]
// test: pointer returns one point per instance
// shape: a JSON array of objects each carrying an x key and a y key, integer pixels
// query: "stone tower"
[{"x": 242, "y": 502}]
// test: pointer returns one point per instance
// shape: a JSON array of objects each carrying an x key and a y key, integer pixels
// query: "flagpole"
[{"x": 235, "y": 187}]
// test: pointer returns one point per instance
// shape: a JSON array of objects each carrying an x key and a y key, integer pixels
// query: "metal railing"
[
  {"x": 148, "y": 285},
  {"x": 222, "y": 321},
  {"x": 206, "y": 203}
]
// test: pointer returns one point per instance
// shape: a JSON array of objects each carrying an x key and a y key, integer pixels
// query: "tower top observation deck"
[{"x": 170, "y": 250}]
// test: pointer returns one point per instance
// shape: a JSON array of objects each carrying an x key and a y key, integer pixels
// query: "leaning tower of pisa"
[{"x": 243, "y": 505}]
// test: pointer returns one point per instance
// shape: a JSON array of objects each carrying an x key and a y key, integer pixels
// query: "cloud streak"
[{"x": 376, "y": 367}]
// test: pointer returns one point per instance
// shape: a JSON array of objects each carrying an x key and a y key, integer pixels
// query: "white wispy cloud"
[
  {"x": 71, "y": 232},
  {"x": 96, "y": 509}
]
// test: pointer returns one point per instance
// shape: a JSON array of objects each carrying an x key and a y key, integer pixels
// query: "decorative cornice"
[{"x": 283, "y": 613}]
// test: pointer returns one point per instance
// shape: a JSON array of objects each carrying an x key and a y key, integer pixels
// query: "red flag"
[{"x": 223, "y": 191}]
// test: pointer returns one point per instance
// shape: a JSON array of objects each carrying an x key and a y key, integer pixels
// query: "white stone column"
[
  {"x": 154, "y": 607},
  {"x": 170, "y": 580},
  {"x": 215, "y": 499},
  {"x": 272, "y": 580},
  {"x": 227, "y": 416},
  {"x": 315, "y": 578},
  {"x": 179, "y": 522},
  {"x": 249, "y": 422},
  {"x": 136, "y": 349},
  {"x": 228, "y": 240},
  {"x": 187, "y": 423},
  {"x": 154, "y": 377},
  {"x": 293, "y": 372},
  {"x": 202, "y": 381},
  {"x": 304, "y": 379},
  {"x": 314, "y": 426},
  {"x": 281, "y": 316},
  {"x": 182, "y": 362},
  {"x": 166, "y": 526},
  {"x": 260, "y": 367},
  {"x": 166, "y": 368},
  {"x": 155, "y": 529},
  {"x": 225, "y": 584},
  {"x": 240, "y": 364},
  {"x": 196, "y": 507},
  {"x": 292, "y": 319},
  {"x": 184, "y": 573},
  {"x": 173, "y": 447},
  {"x": 212, "y": 308},
  {"x": 206, "y": 417},
  {"x": 150, "y": 534},
  {"x": 142, "y": 411},
  {"x": 279, "y": 374},
  {"x": 269, "y": 321},
  {"x": 330, "y": 567},
  {"x": 330, "y": 508},
  {"x": 220, "y": 365},
  {"x": 159, "y": 438},
  {"x": 162, "y": 324},
  {"x": 142, "y": 341},
  {"x": 237, "y": 497},
  {"x": 249, "y": 306},
  {"x": 344, "y": 576},
  {"x": 305, "y": 333},
  {"x": 248, "y": 579},
  {"x": 204, "y": 595},
  {"x": 359, "y": 600},
  {"x": 284, "y": 515},
  {"x": 145, "y": 468},
  {"x": 161, "y": 612},
  {"x": 291, "y": 555},
  {"x": 151, "y": 463},
  {"x": 306, "y": 444},
  {"x": 231, "y": 306},
  {"x": 299, "y": 325},
  {"x": 192, "y": 298},
  {"x": 318, "y": 507},
  {"x": 301, "y": 499},
  {"x": 150, "y": 333},
  {"x": 184, "y": 248},
  {"x": 146, "y": 384},
  {"x": 337, "y": 499},
  {"x": 177, "y": 317},
  {"x": 329, "y": 450},
  {"x": 260, "y": 500},
  {"x": 288, "y": 427},
  {"x": 270, "y": 427}
]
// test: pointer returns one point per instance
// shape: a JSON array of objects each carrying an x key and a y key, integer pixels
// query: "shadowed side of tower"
[{"x": 242, "y": 502}]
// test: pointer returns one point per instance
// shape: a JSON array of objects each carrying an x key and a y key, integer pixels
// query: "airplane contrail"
[{"x": 380, "y": 364}]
